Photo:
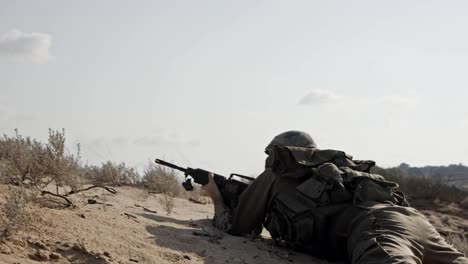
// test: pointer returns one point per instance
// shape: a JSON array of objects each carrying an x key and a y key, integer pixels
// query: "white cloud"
[
  {"x": 33, "y": 47},
  {"x": 315, "y": 97}
]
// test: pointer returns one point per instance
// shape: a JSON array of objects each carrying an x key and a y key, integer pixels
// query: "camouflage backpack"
[{"x": 321, "y": 183}]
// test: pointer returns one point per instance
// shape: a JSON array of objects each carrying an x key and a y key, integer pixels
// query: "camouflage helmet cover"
[{"x": 292, "y": 138}]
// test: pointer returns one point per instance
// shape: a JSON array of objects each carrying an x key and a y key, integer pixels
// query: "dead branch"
[
  {"x": 134, "y": 218},
  {"x": 109, "y": 189},
  {"x": 130, "y": 216},
  {"x": 69, "y": 202},
  {"x": 146, "y": 209},
  {"x": 93, "y": 201},
  {"x": 196, "y": 201},
  {"x": 150, "y": 211}
]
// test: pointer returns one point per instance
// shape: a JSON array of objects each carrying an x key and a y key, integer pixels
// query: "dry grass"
[
  {"x": 464, "y": 203},
  {"x": 167, "y": 203},
  {"x": 28, "y": 162},
  {"x": 161, "y": 179},
  {"x": 423, "y": 188},
  {"x": 459, "y": 241},
  {"x": 111, "y": 173},
  {"x": 13, "y": 214}
]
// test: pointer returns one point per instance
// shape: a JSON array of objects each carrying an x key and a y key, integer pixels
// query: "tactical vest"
[{"x": 315, "y": 186}]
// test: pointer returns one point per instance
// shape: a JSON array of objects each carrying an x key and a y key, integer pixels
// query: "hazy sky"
[{"x": 209, "y": 83}]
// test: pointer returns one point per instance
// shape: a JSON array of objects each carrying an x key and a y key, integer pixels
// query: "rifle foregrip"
[
  {"x": 230, "y": 189},
  {"x": 201, "y": 176}
]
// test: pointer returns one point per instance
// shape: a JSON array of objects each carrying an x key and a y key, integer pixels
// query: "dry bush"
[
  {"x": 167, "y": 202},
  {"x": 61, "y": 167},
  {"x": 22, "y": 160},
  {"x": 112, "y": 173},
  {"x": 28, "y": 162},
  {"x": 161, "y": 179},
  {"x": 459, "y": 241},
  {"x": 423, "y": 188},
  {"x": 13, "y": 215}
]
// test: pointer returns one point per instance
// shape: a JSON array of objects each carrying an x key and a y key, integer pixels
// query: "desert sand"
[{"x": 121, "y": 231}]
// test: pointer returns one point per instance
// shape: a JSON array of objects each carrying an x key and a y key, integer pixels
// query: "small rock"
[
  {"x": 54, "y": 255},
  {"x": 83, "y": 216},
  {"x": 40, "y": 245},
  {"x": 107, "y": 254},
  {"x": 40, "y": 255},
  {"x": 133, "y": 260},
  {"x": 92, "y": 201},
  {"x": 4, "y": 249},
  {"x": 20, "y": 242},
  {"x": 187, "y": 257},
  {"x": 80, "y": 248}
]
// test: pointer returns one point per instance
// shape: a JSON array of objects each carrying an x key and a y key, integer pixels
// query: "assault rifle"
[{"x": 230, "y": 188}]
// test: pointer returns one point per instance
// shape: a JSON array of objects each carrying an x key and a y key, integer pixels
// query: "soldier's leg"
[
  {"x": 403, "y": 235},
  {"x": 386, "y": 237},
  {"x": 386, "y": 249},
  {"x": 438, "y": 251}
]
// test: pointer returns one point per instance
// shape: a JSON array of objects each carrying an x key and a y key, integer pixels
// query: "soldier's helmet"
[{"x": 292, "y": 138}]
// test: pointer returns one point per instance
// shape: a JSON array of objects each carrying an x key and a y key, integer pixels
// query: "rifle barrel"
[{"x": 170, "y": 165}]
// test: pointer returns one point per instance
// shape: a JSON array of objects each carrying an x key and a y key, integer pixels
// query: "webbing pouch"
[
  {"x": 289, "y": 221},
  {"x": 312, "y": 193}
]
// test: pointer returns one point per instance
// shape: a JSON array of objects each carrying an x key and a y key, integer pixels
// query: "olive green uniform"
[
  {"x": 360, "y": 230},
  {"x": 395, "y": 234}
]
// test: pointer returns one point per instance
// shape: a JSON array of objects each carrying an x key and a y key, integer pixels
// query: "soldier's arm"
[{"x": 251, "y": 211}]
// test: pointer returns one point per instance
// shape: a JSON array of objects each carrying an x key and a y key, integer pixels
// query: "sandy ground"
[
  {"x": 123, "y": 232},
  {"x": 97, "y": 233}
]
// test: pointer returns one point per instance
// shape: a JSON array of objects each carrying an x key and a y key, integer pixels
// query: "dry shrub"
[
  {"x": 112, "y": 173},
  {"x": 22, "y": 160},
  {"x": 459, "y": 241},
  {"x": 464, "y": 203},
  {"x": 28, "y": 162},
  {"x": 62, "y": 167},
  {"x": 423, "y": 188},
  {"x": 161, "y": 179},
  {"x": 13, "y": 215},
  {"x": 167, "y": 202}
]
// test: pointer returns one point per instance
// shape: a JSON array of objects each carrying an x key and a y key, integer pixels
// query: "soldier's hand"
[
  {"x": 220, "y": 209},
  {"x": 212, "y": 189}
]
